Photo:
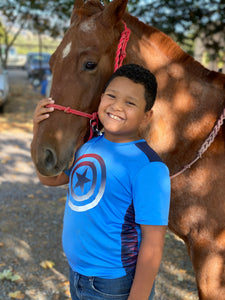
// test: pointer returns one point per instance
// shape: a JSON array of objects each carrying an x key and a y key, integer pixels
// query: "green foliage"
[
  {"x": 8, "y": 275},
  {"x": 185, "y": 20},
  {"x": 50, "y": 17},
  {"x": 1, "y": 32}
]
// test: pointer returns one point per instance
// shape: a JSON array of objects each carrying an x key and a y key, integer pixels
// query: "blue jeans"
[{"x": 95, "y": 288}]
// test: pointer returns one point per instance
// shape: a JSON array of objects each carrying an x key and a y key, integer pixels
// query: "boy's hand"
[{"x": 42, "y": 112}]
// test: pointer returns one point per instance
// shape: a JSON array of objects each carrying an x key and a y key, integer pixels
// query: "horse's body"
[{"x": 190, "y": 100}]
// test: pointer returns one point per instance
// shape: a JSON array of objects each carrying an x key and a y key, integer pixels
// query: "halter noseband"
[{"x": 120, "y": 55}]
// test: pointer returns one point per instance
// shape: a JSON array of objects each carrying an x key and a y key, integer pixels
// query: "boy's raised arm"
[
  {"x": 42, "y": 113},
  {"x": 60, "y": 179}
]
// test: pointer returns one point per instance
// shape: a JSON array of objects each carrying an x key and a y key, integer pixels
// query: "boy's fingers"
[
  {"x": 45, "y": 102},
  {"x": 50, "y": 108},
  {"x": 41, "y": 107},
  {"x": 42, "y": 112},
  {"x": 41, "y": 118}
]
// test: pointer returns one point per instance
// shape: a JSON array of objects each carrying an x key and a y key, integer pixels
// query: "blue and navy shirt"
[{"x": 113, "y": 188}]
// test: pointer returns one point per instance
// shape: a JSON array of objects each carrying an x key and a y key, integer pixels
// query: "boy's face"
[{"x": 122, "y": 110}]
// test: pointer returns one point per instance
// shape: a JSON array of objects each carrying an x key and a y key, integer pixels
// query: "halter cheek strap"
[
  {"x": 120, "y": 55},
  {"x": 93, "y": 117}
]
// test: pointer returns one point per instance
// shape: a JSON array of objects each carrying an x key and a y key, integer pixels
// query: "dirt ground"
[{"x": 32, "y": 263}]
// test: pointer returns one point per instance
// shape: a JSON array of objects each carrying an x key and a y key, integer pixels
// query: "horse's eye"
[{"x": 90, "y": 65}]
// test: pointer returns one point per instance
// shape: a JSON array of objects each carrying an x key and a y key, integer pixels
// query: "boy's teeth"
[{"x": 114, "y": 117}]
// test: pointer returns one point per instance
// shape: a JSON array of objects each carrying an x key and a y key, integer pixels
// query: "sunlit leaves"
[
  {"x": 16, "y": 295},
  {"x": 8, "y": 275},
  {"x": 185, "y": 20},
  {"x": 47, "y": 264}
]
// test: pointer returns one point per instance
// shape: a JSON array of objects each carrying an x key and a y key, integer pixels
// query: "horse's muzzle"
[
  {"x": 47, "y": 162},
  {"x": 50, "y": 159}
]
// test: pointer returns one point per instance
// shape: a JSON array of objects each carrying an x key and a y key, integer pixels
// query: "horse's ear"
[
  {"x": 114, "y": 12},
  {"x": 77, "y": 4}
]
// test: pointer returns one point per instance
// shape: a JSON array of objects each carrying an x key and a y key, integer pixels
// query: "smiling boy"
[{"x": 117, "y": 206}]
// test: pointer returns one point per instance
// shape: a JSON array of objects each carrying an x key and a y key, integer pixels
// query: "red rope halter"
[
  {"x": 93, "y": 117},
  {"x": 120, "y": 55}
]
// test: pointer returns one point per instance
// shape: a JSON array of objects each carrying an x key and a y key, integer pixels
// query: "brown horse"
[{"x": 190, "y": 100}]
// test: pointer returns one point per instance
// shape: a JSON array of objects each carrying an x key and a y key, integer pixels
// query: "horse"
[{"x": 190, "y": 101}]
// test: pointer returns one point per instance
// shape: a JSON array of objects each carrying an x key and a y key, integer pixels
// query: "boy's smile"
[
  {"x": 122, "y": 110},
  {"x": 115, "y": 117}
]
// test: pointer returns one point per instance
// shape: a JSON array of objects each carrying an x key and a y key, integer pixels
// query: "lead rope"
[
  {"x": 121, "y": 49},
  {"x": 205, "y": 145}
]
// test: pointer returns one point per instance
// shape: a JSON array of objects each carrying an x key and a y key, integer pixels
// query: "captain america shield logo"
[{"x": 87, "y": 182}]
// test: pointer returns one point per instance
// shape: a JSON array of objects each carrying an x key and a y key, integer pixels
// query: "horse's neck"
[
  {"x": 188, "y": 93},
  {"x": 159, "y": 53},
  {"x": 156, "y": 43},
  {"x": 156, "y": 50}
]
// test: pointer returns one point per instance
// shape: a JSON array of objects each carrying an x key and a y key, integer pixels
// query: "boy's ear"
[
  {"x": 148, "y": 115},
  {"x": 145, "y": 124}
]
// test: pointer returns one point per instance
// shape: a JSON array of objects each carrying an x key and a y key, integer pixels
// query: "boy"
[{"x": 117, "y": 206}]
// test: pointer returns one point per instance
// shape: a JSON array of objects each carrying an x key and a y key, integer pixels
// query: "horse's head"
[{"x": 81, "y": 65}]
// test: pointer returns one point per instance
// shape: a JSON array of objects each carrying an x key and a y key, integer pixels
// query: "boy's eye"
[
  {"x": 131, "y": 103},
  {"x": 110, "y": 95}
]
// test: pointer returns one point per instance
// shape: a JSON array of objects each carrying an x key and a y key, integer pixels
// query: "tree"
[
  {"x": 5, "y": 39},
  {"x": 43, "y": 16},
  {"x": 186, "y": 20},
  {"x": 183, "y": 20}
]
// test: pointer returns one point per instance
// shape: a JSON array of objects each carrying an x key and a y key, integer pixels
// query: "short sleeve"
[{"x": 151, "y": 194}]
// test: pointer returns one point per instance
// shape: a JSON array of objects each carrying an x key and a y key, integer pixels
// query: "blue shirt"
[{"x": 113, "y": 188}]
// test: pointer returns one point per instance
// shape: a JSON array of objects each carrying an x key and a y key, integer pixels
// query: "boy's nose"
[{"x": 117, "y": 105}]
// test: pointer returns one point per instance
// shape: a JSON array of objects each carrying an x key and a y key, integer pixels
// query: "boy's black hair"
[{"x": 140, "y": 75}]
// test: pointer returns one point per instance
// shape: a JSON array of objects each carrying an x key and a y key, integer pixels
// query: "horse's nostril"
[{"x": 50, "y": 159}]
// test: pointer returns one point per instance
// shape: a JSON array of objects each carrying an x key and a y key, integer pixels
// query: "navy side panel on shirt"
[
  {"x": 149, "y": 152},
  {"x": 129, "y": 240}
]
